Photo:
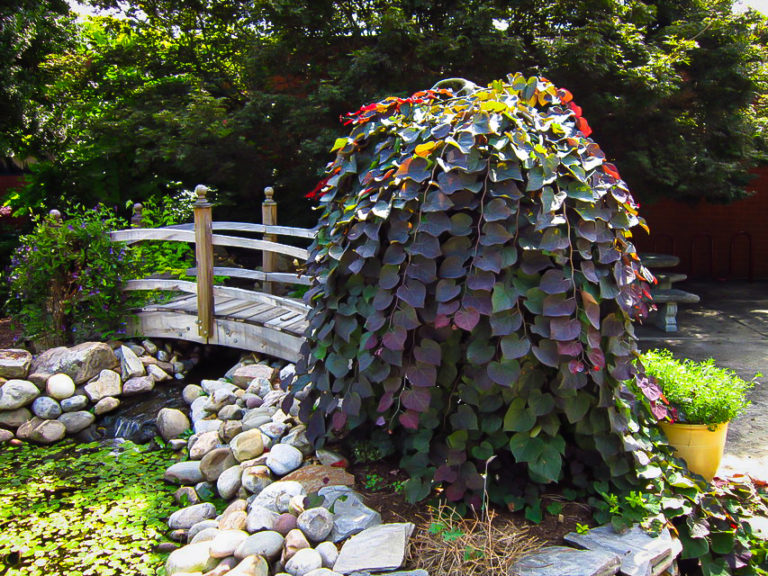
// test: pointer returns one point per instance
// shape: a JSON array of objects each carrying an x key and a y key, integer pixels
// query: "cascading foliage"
[{"x": 476, "y": 281}]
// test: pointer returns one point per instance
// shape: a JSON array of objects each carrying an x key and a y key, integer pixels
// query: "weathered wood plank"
[
  {"x": 254, "y": 229},
  {"x": 171, "y": 285},
  {"x": 258, "y": 275},
  {"x": 179, "y": 235},
  {"x": 204, "y": 260},
  {"x": 226, "y": 332}
]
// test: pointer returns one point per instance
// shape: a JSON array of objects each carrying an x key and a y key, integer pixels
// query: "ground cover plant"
[
  {"x": 478, "y": 280},
  {"x": 82, "y": 509}
]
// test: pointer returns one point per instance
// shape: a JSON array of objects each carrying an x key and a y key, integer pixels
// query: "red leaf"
[
  {"x": 409, "y": 419},
  {"x": 575, "y": 109},
  {"x": 466, "y": 319},
  {"x": 611, "y": 170},
  {"x": 565, "y": 95},
  {"x": 416, "y": 399},
  {"x": 581, "y": 124}
]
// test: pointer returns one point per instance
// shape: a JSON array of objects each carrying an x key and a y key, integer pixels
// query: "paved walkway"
[{"x": 730, "y": 324}]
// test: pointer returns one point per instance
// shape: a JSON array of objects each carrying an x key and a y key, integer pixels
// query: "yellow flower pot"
[{"x": 700, "y": 445}]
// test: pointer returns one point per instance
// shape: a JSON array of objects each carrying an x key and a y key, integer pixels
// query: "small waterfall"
[{"x": 125, "y": 428}]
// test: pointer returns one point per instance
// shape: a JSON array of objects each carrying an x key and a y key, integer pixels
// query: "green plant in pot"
[{"x": 694, "y": 402}]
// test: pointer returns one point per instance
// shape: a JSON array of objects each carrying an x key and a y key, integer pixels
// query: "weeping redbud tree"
[{"x": 475, "y": 285}]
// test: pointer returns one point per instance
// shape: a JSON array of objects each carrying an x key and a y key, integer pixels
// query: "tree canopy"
[{"x": 244, "y": 94}]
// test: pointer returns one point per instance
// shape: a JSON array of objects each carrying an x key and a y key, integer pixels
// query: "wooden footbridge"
[{"x": 209, "y": 313}]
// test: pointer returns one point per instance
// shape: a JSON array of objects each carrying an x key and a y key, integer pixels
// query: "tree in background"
[{"x": 247, "y": 94}]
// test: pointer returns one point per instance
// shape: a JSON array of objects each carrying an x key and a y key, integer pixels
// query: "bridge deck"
[{"x": 269, "y": 328}]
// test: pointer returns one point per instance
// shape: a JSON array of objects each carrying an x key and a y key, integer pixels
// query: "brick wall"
[{"x": 712, "y": 240}]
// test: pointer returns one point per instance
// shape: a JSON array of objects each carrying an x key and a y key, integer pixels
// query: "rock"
[
  {"x": 228, "y": 482},
  {"x": 41, "y": 431},
  {"x": 191, "y": 392},
  {"x": 350, "y": 515},
  {"x": 15, "y": 418},
  {"x": 107, "y": 384},
  {"x": 260, "y": 386},
  {"x": 226, "y": 542},
  {"x": 205, "y": 535},
  {"x": 178, "y": 535},
  {"x": 187, "y": 473},
  {"x": 297, "y": 438},
  {"x": 210, "y": 386},
  {"x": 106, "y": 405},
  {"x": 186, "y": 496},
  {"x": 74, "y": 422},
  {"x": 273, "y": 398},
  {"x": 285, "y": 523},
  {"x": 136, "y": 348},
  {"x": 277, "y": 495},
  {"x": 559, "y": 560},
  {"x": 223, "y": 567},
  {"x": 283, "y": 459},
  {"x": 163, "y": 356},
  {"x": 294, "y": 541},
  {"x": 247, "y": 445},
  {"x": 231, "y": 412},
  {"x": 254, "y": 419},
  {"x": 322, "y": 572},
  {"x": 14, "y": 363},
  {"x": 202, "y": 526},
  {"x": 250, "y": 566},
  {"x": 138, "y": 385},
  {"x": 207, "y": 426},
  {"x": 130, "y": 365},
  {"x": 331, "y": 458},
  {"x": 81, "y": 362},
  {"x": 157, "y": 374},
  {"x": 260, "y": 518},
  {"x": 177, "y": 444},
  {"x": 381, "y": 548},
  {"x": 230, "y": 429},
  {"x": 46, "y": 408},
  {"x": 316, "y": 523},
  {"x": 150, "y": 347},
  {"x": 6, "y": 436},
  {"x": 639, "y": 552},
  {"x": 215, "y": 462},
  {"x": 74, "y": 403},
  {"x": 189, "y": 559},
  {"x": 267, "y": 543},
  {"x": 187, "y": 517},
  {"x": 221, "y": 397},
  {"x": 60, "y": 386},
  {"x": 256, "y": 478},
  {"x": 233, "y": 521},
  {"x": 201, "y": 444},
  {"x": 243, "y": 375},
  {"x": 328, "y": 552},
  {"x": 296, "y": 505},
  {"x": 17, "y": 394},
  {"x": 252, "y": 401},
  {"x": 274, "y": 430},
  {"x": 171, "y": 423},
  {"x": 287, "y": 374},
  {"x": 313, "y": 477},
  {"x": 304, "y": 561}
]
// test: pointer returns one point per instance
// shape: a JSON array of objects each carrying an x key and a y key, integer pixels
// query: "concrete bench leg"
[{"x": 666, "y": 318}]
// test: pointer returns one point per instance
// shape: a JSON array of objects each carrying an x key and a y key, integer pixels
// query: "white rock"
[
  {"x": 106, "y": 405},
  {"x": 201, "y": 444},
  {"x": 187, "y": 517},
  {"x": 191, "y": 393},
  {"x": 107, "y": 384},
  {"x": 247, "y": 445},
  {"x": 60, "y": 386},
  {"x": 229, "y": 482},
  {"x": 138, "y": 385},
  {"x": 283, "y": 459},
  {"x": 277, "y": 495},
  {"x": 14, "y": 363},
  {"x": 260, "y": 518},
  {"x": 256, "y": 478},
  {"x": 202, "y": 526},
  {"x": 316, "y": 523},
  {"x": 203, "y": 535},
  {"x": 186, "y": 473},
  {"x": 81, "y": 362},
  {"x": 378, "y": 549},
  {"x": 250, "y": 566},
  {"x": 304, "y": 561},
  {"x": 17, "y": 394},
  {"x": 157, "y": 373},
  {"x": 191, "y": 558},
  {"x": 267, "y": 543},
  {"x": 171, "y": 423},
  {"x": 226, "y": 542},
  {"x": 207, "y": 426},
  {"x": 130, "y": 365},
  {"x": 328, "y": 552}
]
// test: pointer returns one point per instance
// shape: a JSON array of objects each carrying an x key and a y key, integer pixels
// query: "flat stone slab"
[
  {"x": 561, "y": 560},
  {"x": 313, "y": 478},
  {"x": 378, "y": 549},
  {"x": 640, "y": 553}
]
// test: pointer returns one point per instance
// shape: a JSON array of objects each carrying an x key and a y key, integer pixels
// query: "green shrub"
[
  {"x": 477, "y": 279},
  {"x": 65, "y": 279},
  {"x": 697, "y": 392}
]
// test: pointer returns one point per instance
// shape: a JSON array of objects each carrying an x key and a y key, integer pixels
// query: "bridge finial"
[
  {"x": 137, "y": 218},
  {"x": 202, "y": 192},
  {"x": 269, "y": 193},
  {"x": 55, "y": 218}
]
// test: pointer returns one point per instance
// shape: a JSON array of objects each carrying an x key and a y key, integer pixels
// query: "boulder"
[
  {"x": 243, "y": 375},
  {"x": 14, "y": 363},
  {"x": 15, "y": 418},
  {"x": 81, "y": 362},
  {"x": 171, "y": 423},
  {"x": 130, "y": 365},
  {"x": 378, "y": 549},
  {"x": 107, "y": 384},
  {"x": 17, "y": 394},
  {"x": 42, "y": 431},
  {"x": 350, "y": 515},
  {"x": 74, "y": 422},
  {"x": 60, "y": 386},
  {"x": 138, "y": 385},
  {"x": 256, "y": 478},
  {"x": 46, "y": 408},
  {"x": 314, "y": 477}
]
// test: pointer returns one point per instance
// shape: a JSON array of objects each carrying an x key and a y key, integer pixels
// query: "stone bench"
[{"x": 667, "y": 300}]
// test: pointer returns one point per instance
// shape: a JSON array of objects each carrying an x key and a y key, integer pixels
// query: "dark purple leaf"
[
  {"x": 554, "y": 239},
  {"x": 382, "y": 300},
  {"x": 479, "y": 280},
  {"x": 513, "y": 347},
  {"x": 442, "y": 320},
  {"x": 441, "y": 130},
  {"x": 453, "y": 267},
  {"x": 456, "y": 246},
  {"x": 606, "y": 253},
  {"x": 478, "y": 300},
  {"x": 345, "y": 325},
  {"x": 588, "y": 269},
  {"x": 466, "y": 319},
  {"x": 508, "y": 189},
  {"x": 540, "y": 326},
  {"x": 533, "y": 262},
  {"x": 392, "y": 384},
  {"x": 368, "y": 249},
  {"x": 316, "y": 426},
  {"x": 406, "y": 317},
  {"x": 505, "y": 323},
  {"x": 425, "y": 245},
  {"x": 389, "y": 276},
  {"x": 586, "y": 230},
  {"x": 591, "y": 308},
  {"x": 573, "y": 348},
  {"x": 445, "y": 473},
  {"x": 436, "y": 201},
  {"x": 421, "y": 268},
  {"x": 446, "y": 290},
  {"x": 435, "y": 223},
  {"x": 554, "y": 282},
  {"x": 409, "y": 419},
  {"x": 448, "y": 308},
  {"x": 351, "y": 404},
  {"x": 497, "y": 209},
  {"x": 416, "y": 399},
  {"x": 413, "y": 292},
  {"x": 564, "y": 329},
  {"x": 504, "y": 373},
  {"x": 398, "y": 230},
  {"x": 395, "y": 338},
  {"x": 597, "y": 358},
  {"x": 546, "y": 352},
  {"x": 421, "y": 375},
  {"x": 461, "y": 224},
  {"x": 494, "y": 233},
  {"x": 480, "y": 351},
  {"x": 428, "y": 352},
  {"x": 451, "y": 182},
  {"x": 593, "y": 337},
  {"x": 558, "y": 305},
  {"x": 375, "y": 321},
  {"x": 489, "y": 261},
  {"x": 394, "y": 254},
  {"x": 385, "y": 402},
  {"x": 337, "y": 365}
]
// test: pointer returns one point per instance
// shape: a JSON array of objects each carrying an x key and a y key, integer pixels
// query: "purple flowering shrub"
[{"x": 65, "y": 279}]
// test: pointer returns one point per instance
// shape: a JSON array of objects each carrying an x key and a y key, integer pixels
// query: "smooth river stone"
[
  {"x": 215, "y": 462},
  {"x": 46, "y": 408},
  {"x": 266, "y": 543},
  {"x": 187, "y": 473},
  {"x": 107, "y": 384},
  {"x": 15, "y": 418},
  {"x": 247, "y": 445},
  {"x": 74, "y": 422},
  {"x": 190, "y": 559},
  {"x": 17, "y": 394},
  {"x": 171, "y": 423},
  {"x": 283, "y": 459},
  {"x": 60, "y": 386},
  {"x": 187, "y": 517},
  {"x": 74, "y": 403},
  {"x": 226, "y": 542}
]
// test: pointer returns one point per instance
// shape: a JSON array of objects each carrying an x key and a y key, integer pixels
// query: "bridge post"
[
  {"x": 269, "y": 218},
  {"x": 204, "y": 256},
  {"x": 137, "y": 219}
]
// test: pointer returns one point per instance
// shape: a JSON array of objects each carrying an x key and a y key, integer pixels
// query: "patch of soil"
[{"x": 9, "y": 335}]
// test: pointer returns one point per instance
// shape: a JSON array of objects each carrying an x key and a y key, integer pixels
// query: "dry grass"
[{"x": 445, "y": 543}]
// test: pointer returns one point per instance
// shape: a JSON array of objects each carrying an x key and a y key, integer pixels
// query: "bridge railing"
[{"x": 204, "y": 233}]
